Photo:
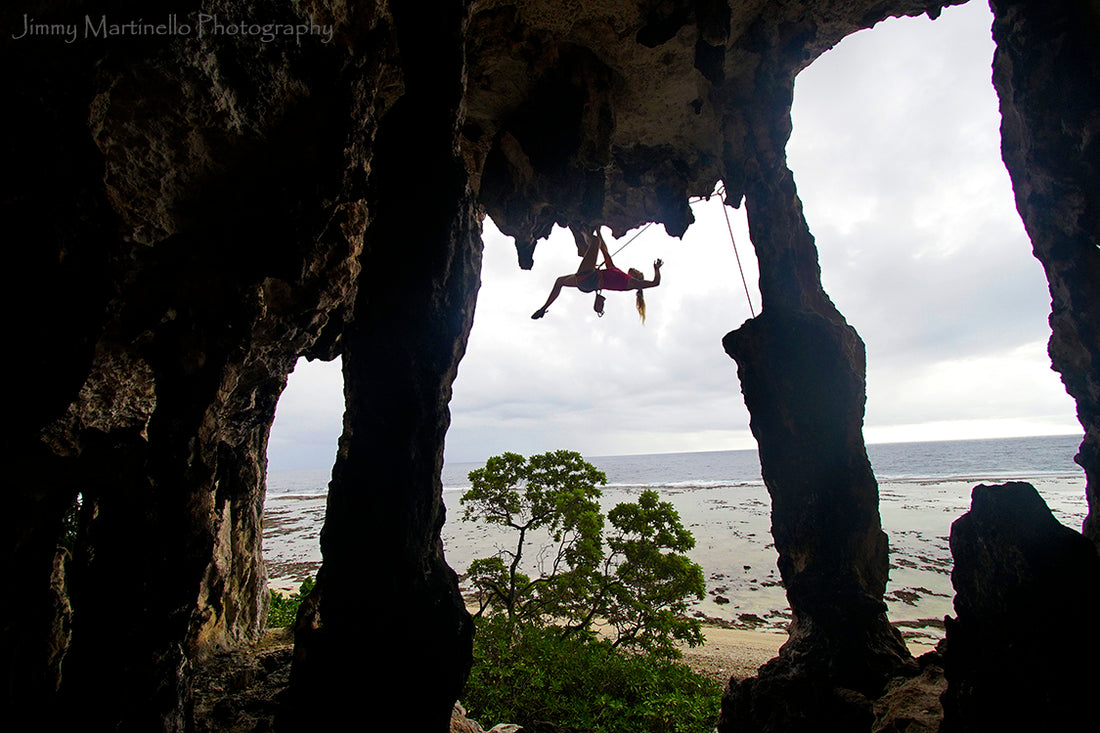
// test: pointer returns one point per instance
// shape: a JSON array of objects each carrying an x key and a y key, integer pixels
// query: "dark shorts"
[{"x": 588, "y": 282}]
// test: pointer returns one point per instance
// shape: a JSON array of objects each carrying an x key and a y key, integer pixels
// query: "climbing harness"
[
  {"x": 589, "y": 282},
  {"x": 598, "y": 305}
]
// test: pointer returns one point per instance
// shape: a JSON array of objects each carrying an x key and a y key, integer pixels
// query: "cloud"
[
  {"x": 895, "y": 153},
  {"x": 611, "y": 384},
  {"x": 309, "y": 417}
]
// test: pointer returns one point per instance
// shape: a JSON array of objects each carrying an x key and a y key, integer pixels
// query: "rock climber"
[{"x": 590, "y": 278}]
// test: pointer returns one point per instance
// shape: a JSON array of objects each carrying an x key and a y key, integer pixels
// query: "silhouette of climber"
[{"x": 590, "y": 278}]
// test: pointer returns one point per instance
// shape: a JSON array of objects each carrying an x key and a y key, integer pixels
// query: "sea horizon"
[
  {"x": 868, "y": 443},
  {"x": 893, "y": 461},
  {"x": 923, "y": 487}
]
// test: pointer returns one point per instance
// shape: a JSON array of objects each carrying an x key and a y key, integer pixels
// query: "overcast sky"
[{"x": 896, "y": 156}]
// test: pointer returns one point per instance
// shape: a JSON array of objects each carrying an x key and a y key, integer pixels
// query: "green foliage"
[
  {"x": 652, "y": 580},
  {"x": 553, "y": 492},
  {"x": 638, "y": 581},
  {"x": 524, "y": 674},
  {"x": 283, "y": 609},
  {"x": 70, "y": 526}
]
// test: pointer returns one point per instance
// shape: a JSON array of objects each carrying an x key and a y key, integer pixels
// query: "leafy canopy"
[{"x": 636, "y": 580}]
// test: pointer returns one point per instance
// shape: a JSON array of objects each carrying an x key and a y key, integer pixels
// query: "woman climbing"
[{"x": 590, "y": 278}]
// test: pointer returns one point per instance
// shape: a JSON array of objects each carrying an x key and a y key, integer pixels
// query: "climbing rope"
[
  {"x": 720, "y": 193},
  {"x": 722, "y": 202},
  {"x": 639, "y": 233}
]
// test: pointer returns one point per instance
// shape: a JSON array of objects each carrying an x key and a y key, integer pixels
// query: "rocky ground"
[{"x": 238, "y": 691}]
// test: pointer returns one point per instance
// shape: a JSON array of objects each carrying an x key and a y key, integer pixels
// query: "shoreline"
[
  {"x": 732, "y": 653},
  {"x": 731, "y": 526},
  {"x": 726, "y": 653},
  {"x": 738, "y": 653}
]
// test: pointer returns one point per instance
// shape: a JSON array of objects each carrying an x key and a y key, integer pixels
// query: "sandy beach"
[
  {"x": 723, "y": 502},
  {"x": 731, "y": 525},
  {"x": 732, "y": 652}
]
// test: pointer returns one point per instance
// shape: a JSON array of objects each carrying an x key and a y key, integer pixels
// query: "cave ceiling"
[{"x": 618, "y": 112}]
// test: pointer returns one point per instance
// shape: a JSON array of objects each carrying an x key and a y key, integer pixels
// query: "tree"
[
  {"x": 638, "y": 587},
  {"x": 555, "y": 492},
  {"x": 648, "y": 577}
]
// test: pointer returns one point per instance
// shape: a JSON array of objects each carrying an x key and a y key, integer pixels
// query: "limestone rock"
[
  {"x": 188, "y": 235},
  {"x": 1047, "y": 74},
  {"x": 238, "y": 692},
  {"x": 194, "y": 215},
  {"x": 58, "y": 643},
  {"x": 802, "y": 376},
  {"x": 618, "y": 112},
  {"x": 461, "y": 724},
  {"x": 777, "y": 700},
  {"x": 912, "y": 704},
  {"x": 1026, "y": 588}
]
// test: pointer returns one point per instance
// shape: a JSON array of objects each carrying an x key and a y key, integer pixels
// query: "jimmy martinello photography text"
[{"x": 203, "y": 25}]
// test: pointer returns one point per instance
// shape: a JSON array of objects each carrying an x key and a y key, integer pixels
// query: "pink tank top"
[{"x": 613, "y": 278}]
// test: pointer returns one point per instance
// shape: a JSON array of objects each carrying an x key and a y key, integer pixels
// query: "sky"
[{"x": 896, "y": 155}]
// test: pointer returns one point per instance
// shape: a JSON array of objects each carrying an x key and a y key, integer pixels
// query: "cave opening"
[
  {"x": 222, "y": 204},
  {"x": 662, "y": 386},
  {"x": 921, "y": 247},
  {"x": 904, "y": 243},
  {"x": 301, "y": 449},
  {"x": 487, "y": 371}
]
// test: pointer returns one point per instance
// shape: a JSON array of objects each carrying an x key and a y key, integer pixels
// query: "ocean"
[{"x": 720, "y": 497}]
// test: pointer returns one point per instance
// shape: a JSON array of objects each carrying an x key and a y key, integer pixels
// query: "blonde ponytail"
[{"x": 639, "y": 299}]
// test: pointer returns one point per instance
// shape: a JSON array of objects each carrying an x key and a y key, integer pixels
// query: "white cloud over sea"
[{"x": 896, "y": 156}]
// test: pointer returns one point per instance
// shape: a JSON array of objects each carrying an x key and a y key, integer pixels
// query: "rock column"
[
  {"x": 385, "y": 639},
  {"x": 802, "y": 371},
  {"x": 1047, "y": 73}
]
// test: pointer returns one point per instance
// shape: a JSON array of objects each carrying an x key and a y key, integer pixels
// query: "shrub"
[
  {"x": 283, "y": 609},
  {"x": 528, "y": 674}
]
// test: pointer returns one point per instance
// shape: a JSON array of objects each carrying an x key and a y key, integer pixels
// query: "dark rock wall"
[
  {"x": 1047, "y": 73},
  {"x": 189, "y": 216},
  {"x": 386, "y": 632},
  {"x": 802, "y": 371},
  {"x": 1020, "y": 654}
]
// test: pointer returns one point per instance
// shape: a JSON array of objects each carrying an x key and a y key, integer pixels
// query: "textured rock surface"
[
  {"x": 182, "y": 214},
  {"x": 1027, "y": 595},
  {"x": 400, "y": 356},
  {"x": 1047, "y": 73},
  {"x": 803, "y": 383},
  {"x": 192, "y": 215},
  {"x": 237, "y": 693},
  {"x": 802, "y": 371},
  {"x": 912, "y": 704},
  {"x": 617, "y": 112}
]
